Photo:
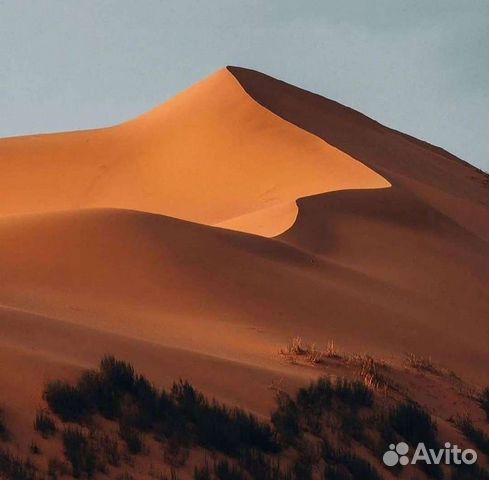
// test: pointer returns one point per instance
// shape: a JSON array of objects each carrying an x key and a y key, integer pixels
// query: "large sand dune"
[
  {"x": 388, "y": 253},
  {"x": 209, "y": 155}
]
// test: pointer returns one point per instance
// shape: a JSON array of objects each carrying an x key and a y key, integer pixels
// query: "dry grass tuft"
[
  {"x": 314, "y": 356},
  {"x": 331, "y": 350},
  {"x": 421, "y": 363},
  {"x": 370, "y": 371},
  {"x": 311, "y": 354}
]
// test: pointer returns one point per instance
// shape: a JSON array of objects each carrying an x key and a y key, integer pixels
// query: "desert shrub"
[
  {"x": 4, "y": 432},
  {"x": 218, "y": 427},
  {"x": 175, "y": 454},
  {"x": 302, "y": 468},
  {"x": 469, "y": 472},
  {"x": 66, "y": 401},
  {"x": 99, "y": 394},
  {"x": 337, "y": 472},
  {"x": 118, "y": 374},
  {"x": 224, "y": 470},
  {"x": 317, "y": 396},
  {"x": 125, "y": 476},
  {"x": 260, "y": 466},
  {"x": 12, "y": 467},
  {"x": 57, "y": 467},
  {"x": 132, "y": 438},
  {"x": 484, "y": 401},
  {"x": 359, "y": 468},
  {"x": 414, "y": 424},
  {"x": 80, "y": 452},
  {"x": 285, "y": 419},
  {"x": 44, "y": 424},
  {"x": 202, "y": 473},
  {"x": 352, "y": 426},
  {"x": 109, "y": 448},
  {"x": 474, "y": 434},
  {"x": 355, "y": 465},
  {"x": 353, "y": 393}
]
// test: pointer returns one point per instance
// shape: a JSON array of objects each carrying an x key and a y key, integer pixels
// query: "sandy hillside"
[
  {"x": 111, "y": 242},
  {"x": 209, "y": 155}
]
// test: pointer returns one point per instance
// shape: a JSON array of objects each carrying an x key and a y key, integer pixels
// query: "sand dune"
[
  {"x": 209, "y": 155},
  {"x": 387, "y": 255},
  {"x": 439, "y": 179},
  {"x": 241, "y": 296}
]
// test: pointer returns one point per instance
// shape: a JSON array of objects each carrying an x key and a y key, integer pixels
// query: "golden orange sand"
[
  {"x": 210, "y": 155},
  {"x": 378, "y": 270}
]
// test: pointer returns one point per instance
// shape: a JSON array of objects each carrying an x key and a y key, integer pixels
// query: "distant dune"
[{"x": 335, "y": 228}]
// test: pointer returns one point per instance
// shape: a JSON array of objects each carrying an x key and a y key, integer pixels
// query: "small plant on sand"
[
  {"x": 421, "y": 363},
  {"x": 57, "y": 468},
  {"x": 202, "y": 473},
  {"x": 132, "y": 438},
  {"x": 331, "y": 350},
  {"x": 66, "y": 401},
  {"x": 295, "y": 347},
  {"x": 80, "y": 453},
  {"x": 44, "y": 424},
  {"x": 344, "y": 464},
  {"x": 175, "y": 454},
  {"x": 224, "y": 470},
  {"x": 285, "y": 419},
  {"x": 472, "y": 433},
  {"x": 15, "y": 468},
  {"x": 370, "y": 371},
  {"x": 314, "y": 356},
  {"x": 414, "y": 424}
]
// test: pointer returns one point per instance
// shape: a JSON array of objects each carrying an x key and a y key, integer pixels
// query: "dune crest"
[{"x": 211, "y": 155}]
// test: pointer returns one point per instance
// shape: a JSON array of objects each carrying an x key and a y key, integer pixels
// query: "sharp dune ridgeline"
[{"x": 199, "y": 238}]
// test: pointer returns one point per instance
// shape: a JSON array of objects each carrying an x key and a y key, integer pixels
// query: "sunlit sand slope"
[{"x": 210, "y": 155}]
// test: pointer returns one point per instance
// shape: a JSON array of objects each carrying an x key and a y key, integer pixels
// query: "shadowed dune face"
[
  {"x": 439, "y": 179},
  {"x": 210, "y": 155}
]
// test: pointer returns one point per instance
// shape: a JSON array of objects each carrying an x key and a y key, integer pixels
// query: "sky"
[{"x": 419, "y": 66}]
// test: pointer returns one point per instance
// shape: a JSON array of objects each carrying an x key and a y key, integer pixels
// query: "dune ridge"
[{"x": 210, "y": 155}]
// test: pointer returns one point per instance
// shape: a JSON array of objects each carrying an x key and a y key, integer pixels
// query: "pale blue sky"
[{"x": 420, "y": 66}]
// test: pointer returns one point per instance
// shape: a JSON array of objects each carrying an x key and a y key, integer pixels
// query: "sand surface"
[
  {"x": 111, "y": 242},
  {"x": 210, "y": 155}
]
